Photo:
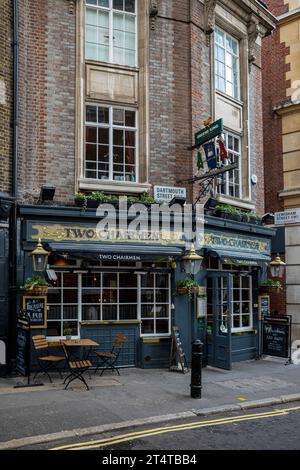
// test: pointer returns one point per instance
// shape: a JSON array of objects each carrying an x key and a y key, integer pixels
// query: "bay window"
[{"x": 111, "y": 31}]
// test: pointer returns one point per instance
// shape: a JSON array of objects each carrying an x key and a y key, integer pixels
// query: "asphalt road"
[{"x": 272, "y": 428}]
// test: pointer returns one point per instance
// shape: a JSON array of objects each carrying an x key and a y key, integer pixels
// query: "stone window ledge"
[{"x": 113, "y": 186}]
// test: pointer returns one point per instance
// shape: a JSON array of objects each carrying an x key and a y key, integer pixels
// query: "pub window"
[
  {"x": 109, "y": 297},
  {"x": 111, "y": 143},
  {"x": 242, "y": 318},
  {"x": 227, "y": 64},
  {"x": 111, "y": 31},
  {"x": 63, "y": 305},
  {"x": 155, "y": 304}
]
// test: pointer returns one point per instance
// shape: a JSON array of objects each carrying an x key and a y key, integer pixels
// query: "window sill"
[
  {"x": 111, "y": 65},
  {"x": 124, "y": 322},
  {"x": 236, "y": 202},
  {"x": 113, "y": 186},
  {"x": 230, "y": 98}
]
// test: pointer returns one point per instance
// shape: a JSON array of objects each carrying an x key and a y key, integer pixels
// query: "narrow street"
[{"x": 272, "y": 428}]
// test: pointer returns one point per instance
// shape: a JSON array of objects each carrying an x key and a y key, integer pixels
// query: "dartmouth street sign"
[{"x": 209, "y": 132}]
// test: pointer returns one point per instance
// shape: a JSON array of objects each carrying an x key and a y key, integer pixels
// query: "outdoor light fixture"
[
  {"x": 192, "y": 262},
  {"x": 277, "y": 267},
  {"x": 47, "y": 193},
  {"x": 39, "y": 257}
]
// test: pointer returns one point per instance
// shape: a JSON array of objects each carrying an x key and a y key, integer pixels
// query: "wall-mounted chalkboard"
[
  {"x": 263, "y": 306},
  {"x": 35, "y": 307},
  {"x": 277, "y": 336}
]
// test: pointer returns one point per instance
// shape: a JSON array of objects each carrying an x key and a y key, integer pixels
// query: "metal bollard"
[{"x": 196, "y": 373}]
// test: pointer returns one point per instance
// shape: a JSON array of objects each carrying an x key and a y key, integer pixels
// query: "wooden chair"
[
  {"x": 76, "y": 369},
  {"x": 108, "y": 360},
  {"x": 45, "y": 360}
]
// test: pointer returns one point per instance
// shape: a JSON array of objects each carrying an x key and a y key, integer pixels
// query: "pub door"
[{"x": 219, "y": 315}]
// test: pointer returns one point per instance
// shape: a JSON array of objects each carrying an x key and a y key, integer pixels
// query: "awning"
[
  {"x": 118, "y": 252},
  {"x": 240, "y": 259}
]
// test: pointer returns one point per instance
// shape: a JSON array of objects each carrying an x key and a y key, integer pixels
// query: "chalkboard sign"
[
  {"x": 23, "y": 348},
  {"x": 263, "y": 306},
  {"x": 277, "y": 336},
  {"x": 36, "y": 309},
  {"x": 177, "y": 353}
]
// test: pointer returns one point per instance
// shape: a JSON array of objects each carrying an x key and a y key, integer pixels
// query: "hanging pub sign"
[
  {"x": 277, "y": 336},
  {"x": 35, "y": 307},
  {"x": 211, "y": 155},
  {"x": 209, "y": 132}
]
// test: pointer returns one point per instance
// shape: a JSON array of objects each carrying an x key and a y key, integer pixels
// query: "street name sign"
[
  {"x": 167, "y": 193},
  {"x": 291, "y": 216}
]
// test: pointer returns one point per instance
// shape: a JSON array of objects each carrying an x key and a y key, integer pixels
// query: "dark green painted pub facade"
[{"x": 99, "y": 288}]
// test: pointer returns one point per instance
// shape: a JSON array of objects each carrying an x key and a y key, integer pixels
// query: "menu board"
[
  {"x": 276, "y": 337},
  {"x": 35, "y": 307},
  {"x": 177, "y": 353},
  {"x": 23, "y": 349}
]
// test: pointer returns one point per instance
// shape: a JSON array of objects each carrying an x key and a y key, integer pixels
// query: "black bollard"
[{"x": 196, "y": 375}]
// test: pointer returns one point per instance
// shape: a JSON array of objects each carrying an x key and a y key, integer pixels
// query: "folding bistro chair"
[
  {"x": 76, "y": 369},
  {"x": 108, "y": 360},
  {"x": 46, "y": 361}
]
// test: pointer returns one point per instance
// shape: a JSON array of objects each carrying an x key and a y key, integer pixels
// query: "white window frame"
[
  {"x": 241, "y": 314},
  {"x": 226, "y": 175},
  {"x": 155, "y": 317},
  {"x": 111, "y": 128},
  {"x": 138, "y": 318},
  {"x": 111, "y": 11},
  {"x": 236, "y": 80}
]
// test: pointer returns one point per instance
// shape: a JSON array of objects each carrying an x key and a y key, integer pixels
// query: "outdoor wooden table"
[{"x": 72, "y": 343}]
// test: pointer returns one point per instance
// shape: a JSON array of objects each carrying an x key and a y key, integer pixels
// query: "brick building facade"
[
  {"x": 111, "y": 95},
  {"x": 282, "y": 142}
]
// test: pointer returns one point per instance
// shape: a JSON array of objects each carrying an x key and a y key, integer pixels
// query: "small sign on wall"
[
  {"x": 35, "y": 307},
  {"x": 166, "y": 193}
]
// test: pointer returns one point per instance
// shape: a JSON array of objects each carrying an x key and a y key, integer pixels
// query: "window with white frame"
[
  {"x": 111, "y": 31},
  {"x": 227, "y": 64},
  {"x": 109, "y": 296},
  {"x": 229, "y": 183},
  {"x": 242, "y": 317},
  {"x": 110, "y": 143},
  {"x": 155, "y": 304}
]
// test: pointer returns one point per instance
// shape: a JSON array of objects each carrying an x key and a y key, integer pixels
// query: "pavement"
[{"x": 38, "y": 414}]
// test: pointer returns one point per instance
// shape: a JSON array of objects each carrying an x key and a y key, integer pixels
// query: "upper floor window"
[
  {"x": 230, "y": 182},
  {"x": 111, "y": 31},
  {"x": 227, "y": 64},
  {"x": 110, "y": 143}
]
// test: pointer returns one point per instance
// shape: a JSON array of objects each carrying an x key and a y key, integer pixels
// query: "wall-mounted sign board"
[
  {"x": 35, "y": 307},
  {"x": 167, "y": 193},
  {"x": 291, "y": 216}
]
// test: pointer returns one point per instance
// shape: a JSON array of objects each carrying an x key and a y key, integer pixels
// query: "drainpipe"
[{"x": 12, "y": 323}]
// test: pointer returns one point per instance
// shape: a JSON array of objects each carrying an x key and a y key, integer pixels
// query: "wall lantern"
[
  {"x": 39, "y": 257},
  {"x": 277, "y": 267},
  {"x": 192, "y": 262}
]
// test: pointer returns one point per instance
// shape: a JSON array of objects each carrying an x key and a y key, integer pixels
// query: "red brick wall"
[
  {"x": 6, "y": 94},
  {"x": 274, "y": 91}
]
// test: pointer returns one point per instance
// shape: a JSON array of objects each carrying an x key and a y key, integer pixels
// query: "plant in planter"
[
  {"x": 228, "y": 212},
  {"x": 269, "y": 285},
  {"x": 81, "y": 200},
  {"x": 36, "y": 285},
  {"x": 254, "y": 218},
  {"x": 187, "y": 286},
  {"x": 68, "y": 333}
]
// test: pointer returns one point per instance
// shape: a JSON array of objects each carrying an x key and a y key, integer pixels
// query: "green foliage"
[
  {"x": 271, "y": 284},
  {"x": 35, "y": 281}
]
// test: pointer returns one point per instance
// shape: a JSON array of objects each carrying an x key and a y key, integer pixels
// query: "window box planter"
[
  {"x": 35, "y": 285},
  {"x": 94, "y": 199}
]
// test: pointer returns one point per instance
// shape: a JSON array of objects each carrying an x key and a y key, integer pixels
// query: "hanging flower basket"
[
  {"x": 270, "y": 286},
  {"x": 187, "y": 287},
  {"x": 36, "y": 285}
]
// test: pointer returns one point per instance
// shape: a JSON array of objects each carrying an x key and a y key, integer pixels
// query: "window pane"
[
  {"x": 219, "y": 37},
  {"x": 118, "y": 138},
  {"x": 130, "y": 6},
  {"x": 91, "y": 134},
  {"x": 147, "y": 311},
  {"x": 70, "y": 312},
  {"x": 54, "y": 312},
  {"x": 128, "y": 296},
  {"x": 91, "y": 312},
  {"x": 162, "y": 326},
  {"x": 118, "y": 117},
  {"x": 103, "y": 115},
  {"x": 162, "y": 280},
  {"x": 109, "y": 296},
  {"x": 102, "y": 3},
  {"x": 128, "y": 312},
  {"x": 147, "y": 327},
  {"x": 70, "y": 296},
  {"x": 129, "y": 57},
  {"x": 91, "y": 152},
  {"x": 129, "y": 24},
  {"x": 130, "y": 118},
  {"x": 118, "y": 5},
  {"x": 129, "y": 41},
  {"x": 162, "y": 311},
  {"x": 103, "y": 153},
  {"x": 147, "y": 296},
  {"x": 91, "y": 16},
  {"x": 109, "y": 312},
  {"x": 91, "y": 296},
  {"x": 103, "y": 136},
  {"x": 127, "y": 280},
  {"x": 54, "y": 328},
  {"x": 103, "y": 53},
  {"x": 91, "y": 34},
  {"x": 103, "y": 19},
  {"x": 91, "y": 114}
]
